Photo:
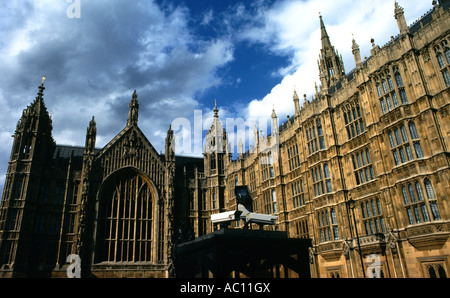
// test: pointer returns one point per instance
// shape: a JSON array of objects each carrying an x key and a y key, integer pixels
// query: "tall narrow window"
[
  {"x": 20, "y": 187},
  {"x": 398, "y": 77},
  {"x": 415, "y": 137},
  {"x": 298, "y": 196},
  {"x": 214, "y": 201},
  {"x": 391, "y": 84},
  {"x": 314, "y": 136},
  {"x": 266, "y": 166},
  {"x": 328, "y": 227},
  {"x": 293, "y": 157},
  {"x": 334, "y": 224},
  {"x": 320, "y": 134},
  {"x": 432, "y": 199},
  {"x": 353, "y": 121},
  {"x": 327, "y": 177},
  {"x": 373, "y": 219},
  {"x": 446, "y": 76},
  {"x": 440, "y": 59},
  {"x": 270, "y": 202},
  {"x": 362, "y": 166},
  {"x": 213, "y": 161},
  {"x": 321, "y": 180},
  {"x": 403, "y": 96},
  {"x": 379, "y": 90},
  {"x": 274, "y": 202},
  {"x": 443, "y": 62}
]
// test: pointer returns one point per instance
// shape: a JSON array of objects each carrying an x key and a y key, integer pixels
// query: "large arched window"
[{"x": 125, "y": 217}]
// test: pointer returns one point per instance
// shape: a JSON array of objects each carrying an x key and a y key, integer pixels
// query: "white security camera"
[
  {"x": 261, "y": 219},
  {"x": 225, "y": 217}
]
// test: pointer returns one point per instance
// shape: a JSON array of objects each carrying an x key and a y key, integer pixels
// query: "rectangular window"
[
  {"x": 362, "y": 166},
  {"x": 353, "y": 121},
  {"x": 373, "y": 219},
  {"x": 417, "y": 207},
  {"x": 328, "y": 226},
  {"x": 214, "y": 203},
  {"x": 266, "y": 166},
  {"x": 315, "y": 140},
  {"x": 298, "y": 196},
  {"x": 403, "y": 96},
  {"x": 446, "y": 76},
  {"x": 321, "y": 180},
  {"x": 293, "y": 157},
  {"x": 401, "y": 144}
]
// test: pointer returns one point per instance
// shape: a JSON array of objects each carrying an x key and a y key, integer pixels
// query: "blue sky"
[{"x": 179, "y": 55}]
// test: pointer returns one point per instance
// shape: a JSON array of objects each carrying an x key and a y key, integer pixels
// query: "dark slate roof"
[{"x": 67, "y": 151}]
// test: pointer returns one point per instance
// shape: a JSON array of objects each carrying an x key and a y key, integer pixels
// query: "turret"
[
  {"x": 33, "y": 135},
  {"x": 170, "y": 145},
  {"x": 356, "y": 53},
  {"x": 133, "y": 110},
  {"x": 91, "y": 135},
  {"x": 400, "y": 17},
  {"x": 296, "y": 103}
]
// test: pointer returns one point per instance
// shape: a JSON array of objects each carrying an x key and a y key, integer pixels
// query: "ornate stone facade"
[{"x": 362, "y": 169}]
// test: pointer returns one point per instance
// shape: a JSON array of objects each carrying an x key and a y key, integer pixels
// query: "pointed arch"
[{"x": 126, "y": 215}]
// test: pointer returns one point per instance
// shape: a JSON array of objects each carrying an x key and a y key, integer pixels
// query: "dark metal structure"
[{"x": 243, "y": 253}]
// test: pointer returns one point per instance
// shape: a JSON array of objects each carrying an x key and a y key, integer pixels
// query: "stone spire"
[
  {"x": 133, "y": 110},
  {"x": 331, "y": 66},
  {"x": 91, "y": 135},
  {"x": 296, "y": 103},
  {"x": 216, "y": 110}
]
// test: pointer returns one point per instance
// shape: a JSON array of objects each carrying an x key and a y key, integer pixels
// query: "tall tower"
[
  {"x": 32, "y": 150},
  {"x": 170, "y": 190},
  {"x": 83, "y": 214},
  {"x": 215, "y": 162},
  {"x": 331, "y": 67}
]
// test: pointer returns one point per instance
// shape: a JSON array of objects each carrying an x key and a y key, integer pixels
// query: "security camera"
[
  {"x": 225, "y": 217},
  {"x": 261, "y": 219}
]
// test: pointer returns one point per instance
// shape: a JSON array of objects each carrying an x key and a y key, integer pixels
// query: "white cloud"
[
  {"x": 292, "y": 27},
  {"x": 93, "y": 64}
]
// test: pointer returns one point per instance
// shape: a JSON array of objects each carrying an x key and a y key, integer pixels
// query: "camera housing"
[{"x": 244, "y": 210}]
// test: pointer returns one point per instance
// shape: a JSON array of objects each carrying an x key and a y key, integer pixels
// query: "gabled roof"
[{"x": 128, "y": 130}]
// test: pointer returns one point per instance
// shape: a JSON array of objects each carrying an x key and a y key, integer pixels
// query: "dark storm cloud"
[{"x": 93, "y": 64}]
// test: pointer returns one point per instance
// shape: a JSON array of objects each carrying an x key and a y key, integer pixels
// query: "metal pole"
[{"x": 359, "y": 245}]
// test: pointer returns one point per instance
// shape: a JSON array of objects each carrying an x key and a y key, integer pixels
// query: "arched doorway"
[{"x": 125, "y": 218}]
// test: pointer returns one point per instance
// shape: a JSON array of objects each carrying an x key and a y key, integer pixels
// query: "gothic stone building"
[{"x": 362, "y": 169}]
